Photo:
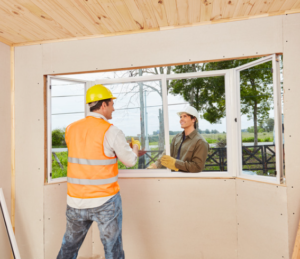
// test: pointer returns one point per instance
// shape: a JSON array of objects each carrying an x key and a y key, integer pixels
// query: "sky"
[{"x": 66, "y": 110}]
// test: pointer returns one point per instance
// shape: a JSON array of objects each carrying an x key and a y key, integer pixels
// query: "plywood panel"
[
  {"x": 29, "y": 161},
  {"x": 257, "y": 36},
  {"x": 178, "y": 218},
  {"x": 160, "y": 12},
  {"x": 262, "y": 220},
  {"x": 171, "y": 10},
  {"x": 291, "y": 24},
  {"x": 55, "y": 197},
  {"x": 5, "y": 146},
  {"x": 33, "y": 21}
]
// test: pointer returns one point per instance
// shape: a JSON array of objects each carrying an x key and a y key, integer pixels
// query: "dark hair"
[
  {"x": 99, "y": 104},
  {"x": 195, "y": 123}
]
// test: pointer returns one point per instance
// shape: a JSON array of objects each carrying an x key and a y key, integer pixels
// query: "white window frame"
[
  {"x": 166, "y": 173},
  {"x": 233, "y": 123},
  {"x": 49, "y": 125},
  {"x": 277, "y": 117}
]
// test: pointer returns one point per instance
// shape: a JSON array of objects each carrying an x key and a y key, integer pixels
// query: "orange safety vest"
[{"x": 91, "y": 174}]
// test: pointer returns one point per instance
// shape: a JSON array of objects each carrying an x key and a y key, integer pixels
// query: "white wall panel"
[
  {"x": 178, "y": 218},
  {"x": 29, "y": 115},
  {"x": 291, "y": 68},
  {"x": 5, "y": 144},
  {"x": 262, "y": 220},
  {"x": 218, "y": 41}
]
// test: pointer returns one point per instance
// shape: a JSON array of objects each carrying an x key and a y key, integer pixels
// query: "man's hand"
[
  {"x": 169, "y": 162},
  {"x": 135, "y": 142},
  {"x": 153, "y": 166}
]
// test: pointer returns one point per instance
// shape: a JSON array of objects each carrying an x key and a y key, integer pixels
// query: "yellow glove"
[
  {"x": 153, "y": 166},
  {"x": 135, "y": 142},
  {"x": 169, "y": 162}
]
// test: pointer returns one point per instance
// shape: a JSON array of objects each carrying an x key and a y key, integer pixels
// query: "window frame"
[
  {"x": 166, "y": 173},
  {"x": 49, "y": 125},
  {"x": 277, "y": 117},
  {"x": 233, "y": 123}
]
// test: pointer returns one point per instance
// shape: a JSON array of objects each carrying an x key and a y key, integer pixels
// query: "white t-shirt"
[{"x": 115, "y": 144}]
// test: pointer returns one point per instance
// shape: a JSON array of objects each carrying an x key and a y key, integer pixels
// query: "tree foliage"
[{"x": 207, "y": 95}]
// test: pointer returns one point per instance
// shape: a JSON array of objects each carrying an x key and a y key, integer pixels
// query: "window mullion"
[{"x": 278, "y": 119}]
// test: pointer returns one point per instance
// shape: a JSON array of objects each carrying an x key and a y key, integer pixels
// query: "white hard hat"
[{"x": 189, "y": 110}]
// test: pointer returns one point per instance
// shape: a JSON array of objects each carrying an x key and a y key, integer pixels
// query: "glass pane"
[
  {"x": 67, "y": 106},
  {"x": 257, "y": 121},
  {"x": 207, "y": 95},
  {"x": 72, "y": 104},
  {"x": 138, "y": 113}
]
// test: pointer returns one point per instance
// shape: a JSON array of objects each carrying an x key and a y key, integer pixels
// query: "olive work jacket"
[{"x": 193, "y": 152}]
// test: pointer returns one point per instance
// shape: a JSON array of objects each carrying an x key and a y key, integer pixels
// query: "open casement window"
[
  {"x": 260, "y": 145},
  {"x": 66, "y": 104},
  {"x": 237, "y": 108},
  {"x": 142, "y": 111}
]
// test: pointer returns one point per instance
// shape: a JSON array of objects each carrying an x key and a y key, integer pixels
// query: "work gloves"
[
  {"x": 169, "y": 162},
  {"x": 135, "y": 142},
  {"x": 152, "y": 166}
]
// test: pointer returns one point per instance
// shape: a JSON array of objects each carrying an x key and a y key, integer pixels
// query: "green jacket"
[{"x": 193, "y": 152}]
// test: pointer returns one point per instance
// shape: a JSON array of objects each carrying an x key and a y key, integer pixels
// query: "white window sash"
[{"x": 277, "y": 118}]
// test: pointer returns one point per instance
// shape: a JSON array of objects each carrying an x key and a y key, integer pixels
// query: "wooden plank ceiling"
[{"x": 35, "y": 21}]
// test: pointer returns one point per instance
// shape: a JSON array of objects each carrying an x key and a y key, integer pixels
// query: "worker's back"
[{"x": 91, "y": 174}]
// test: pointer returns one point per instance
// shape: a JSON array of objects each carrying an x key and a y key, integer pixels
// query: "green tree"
[
  {"x": 207, "y": 95},
  {"x": 270, "y": 124},
  {"x": 58, "y": 137}
]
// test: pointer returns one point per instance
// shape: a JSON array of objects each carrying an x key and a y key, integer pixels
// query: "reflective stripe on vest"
[
  {"x": 92, "y": 182},
  {"x": 82, "y": 161}
]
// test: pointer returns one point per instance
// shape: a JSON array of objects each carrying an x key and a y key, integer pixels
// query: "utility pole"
[
  {"x": 142, "y": 115},
  {"x": 146, "y": 127}
]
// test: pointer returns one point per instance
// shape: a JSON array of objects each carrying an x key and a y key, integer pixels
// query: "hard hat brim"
[
  {"x": 103, "y": 99},
  {"x": 179, "y": 113}
]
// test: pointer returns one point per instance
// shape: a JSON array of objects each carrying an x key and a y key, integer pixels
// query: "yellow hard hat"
[{"x": 98, "y": 93}]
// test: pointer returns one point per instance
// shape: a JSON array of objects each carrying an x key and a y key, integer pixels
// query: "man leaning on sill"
[
  {"x": 93, "y": 190},
  {"x": 188, "y": 149}
]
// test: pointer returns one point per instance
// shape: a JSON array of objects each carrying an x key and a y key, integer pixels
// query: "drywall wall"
[
  {"x": 219, "y": 41},
  {"x": 261, "y": 220},
  {"x": 291, "y": 73},
  {"x": 5, "y": 137},
  {"x": 29, "y": 153},
  {"x": 177, "y": 218},
  {"x": 146, "y": 223}
]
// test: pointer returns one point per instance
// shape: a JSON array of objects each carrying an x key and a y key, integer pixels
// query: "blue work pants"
[{"x": 109, "y": 219}]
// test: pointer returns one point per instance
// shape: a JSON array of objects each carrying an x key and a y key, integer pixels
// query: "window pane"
[
  {"x": 72, "y": 104},
  {"x": 207, "y": 95},
  {"x": 257, "y": 121},
  {"x": 66, "y": 88},
  {"x": 138, "y": 113},
  {"x": 67, "y": 106}
]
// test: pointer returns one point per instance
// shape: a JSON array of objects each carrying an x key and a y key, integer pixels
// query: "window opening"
[
  {"x": 148, "y": 101},
  {"x": 66, "y": 99},
  {"x": 139, "y": 114},
  {"x": 207, "y": 95},
  {"x": 259, "y": 88}
]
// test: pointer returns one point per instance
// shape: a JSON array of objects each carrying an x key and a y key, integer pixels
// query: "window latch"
[{"x": 235, "y": 119}]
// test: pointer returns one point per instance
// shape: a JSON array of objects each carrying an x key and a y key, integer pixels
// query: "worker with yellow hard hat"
[
  {"x": 94, "y": 145},
  {"x": 188, "y": 149}
]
